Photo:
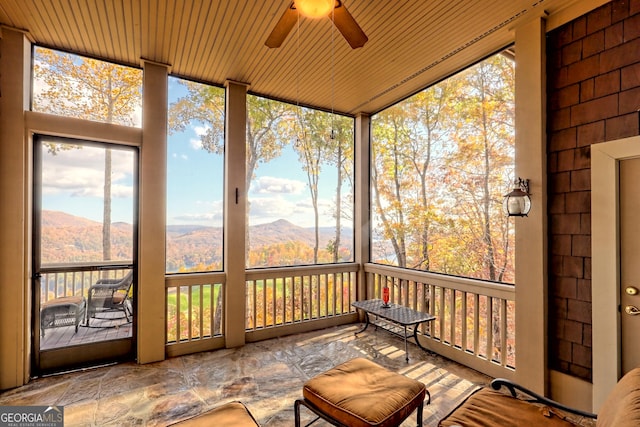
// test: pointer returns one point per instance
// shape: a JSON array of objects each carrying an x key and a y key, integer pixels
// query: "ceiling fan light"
[{"x": 314, "y": 8}]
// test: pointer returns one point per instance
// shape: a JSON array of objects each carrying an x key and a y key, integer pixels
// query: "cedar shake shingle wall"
[{"x": 593, "y": 85}]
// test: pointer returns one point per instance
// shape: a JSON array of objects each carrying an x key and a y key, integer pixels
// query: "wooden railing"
[
  {"x": 195, "y": 312},
  {"x": 475, "y": 322},
  {"x": 58, "y": 281},
  {"x": 278, "y": 297}
]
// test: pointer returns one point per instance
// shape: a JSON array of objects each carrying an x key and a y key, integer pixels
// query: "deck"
[{"x": 98, "y": 330}]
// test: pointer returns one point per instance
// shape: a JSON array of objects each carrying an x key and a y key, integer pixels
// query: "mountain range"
[{"x": 68, "y": 238}]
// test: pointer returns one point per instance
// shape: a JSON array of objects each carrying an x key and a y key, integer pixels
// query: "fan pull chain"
[
  {"x": 333, "y": 66},
  {"x": 298, "y": 112}
]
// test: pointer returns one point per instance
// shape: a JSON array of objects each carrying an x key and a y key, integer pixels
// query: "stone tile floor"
[{"x": 266, "y": 376}]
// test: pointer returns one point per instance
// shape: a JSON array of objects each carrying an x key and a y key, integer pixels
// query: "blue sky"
[
  {"x": 73, "y": 182},
  {"x": 279, "y": 189}
]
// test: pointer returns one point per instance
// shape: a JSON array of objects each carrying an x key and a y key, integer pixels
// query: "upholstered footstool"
[
  {"x": 64, "y": 311},
  {"x": 231, "y": 414},
  {"x": 361, "y": 393}
]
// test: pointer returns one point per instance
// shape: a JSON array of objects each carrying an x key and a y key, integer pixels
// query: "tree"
[
  {"x": 441, "y": 161},
  {"x": 314, "y": 132},
  {"x": 89, "y": 89},
  {"x": 484, "y": 159},
  {"x": 389, "y": 178},
  {"x": 428, "y": 113},
  {"x": 340, "y": 154}
]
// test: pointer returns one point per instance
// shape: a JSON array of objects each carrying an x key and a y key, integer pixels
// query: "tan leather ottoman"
[
  {"x": 231, "y": 414},
  {"x": 361, "y": 393}
]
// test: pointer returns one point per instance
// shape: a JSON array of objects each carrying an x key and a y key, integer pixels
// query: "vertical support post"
[
  {"x": 153, "y": 207},
  {"x": 15, "y": 155},
  {"x": 235, "y": 213},
  {"x": 362, "y": 212},
  {"x": 531, "y": 232}
]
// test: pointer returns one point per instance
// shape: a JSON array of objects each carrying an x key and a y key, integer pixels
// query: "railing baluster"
[
  {"x": 345, "y": 281},
  {"x": 212, "y": 310},
  {"x": 255, "y": 304},
  {"x": 331, "y": 303},
  {"x": 463, "y": 329},
  {"x": 443, "y": 314},
  {"x": 265, "y": 284},
  {"x": 274, "y": 319},
  {"x": 414, "y": 295},
  {"x": 453, "y": 325},
  {"x": 222, "y": 288},
  {"x": 294, "y": 299},
  {"x": 489, "y": 328},
  {"x": 372, "y": 285},
  {"x": 285, "y": 304},
  {"x": 201, "y": 312},
  {"x": 178, "y": 314},
  {"x": 310, "y": 297},
  {"x": 189, "y": 316},
  {"x": 167, "y": 312},
  {"x": 318, "y": 295},
  {"x": 503, "y": 332},
  {"x": 55, "y": 284},
  {"x": 338, "y": 293},
  {"x": 476, "y": 324}
]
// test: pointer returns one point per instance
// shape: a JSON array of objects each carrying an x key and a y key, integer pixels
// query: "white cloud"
[
  {"x": 196, "y": 143},
  {"x": 201, "y": 212},
  {"x": 119, "y": 190},
  {"x": 201, "y": 130},
  {"x": 79, "y": 172},
  {"x": 271, "y": 208},
  {"x": 273, "y": 185},
  {"x": 198, "y": 217}
]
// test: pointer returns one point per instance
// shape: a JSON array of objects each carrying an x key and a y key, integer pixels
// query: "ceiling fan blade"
[
  {"x": 283, "y": 27},
  {"x": 348, "y": 26}
]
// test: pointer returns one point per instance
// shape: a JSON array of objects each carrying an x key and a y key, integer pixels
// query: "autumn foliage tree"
[
  {"x": 322, "y": 139},
  {"x": 442, "y": 160}
]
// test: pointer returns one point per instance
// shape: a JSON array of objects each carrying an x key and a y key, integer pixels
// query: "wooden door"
[{"x": 629, "y": 263}]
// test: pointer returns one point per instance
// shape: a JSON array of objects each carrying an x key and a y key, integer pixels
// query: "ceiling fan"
[{"x": 333, "y": 9}]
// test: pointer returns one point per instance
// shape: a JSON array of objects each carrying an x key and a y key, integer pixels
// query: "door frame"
[{"x": 605, "y": 253}]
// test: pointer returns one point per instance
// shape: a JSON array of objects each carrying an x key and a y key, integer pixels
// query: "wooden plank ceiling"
[{"x": 411, "y": 43}]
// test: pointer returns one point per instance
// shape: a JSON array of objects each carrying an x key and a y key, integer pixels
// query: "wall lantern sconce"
[{"x": 518, "y": 202}]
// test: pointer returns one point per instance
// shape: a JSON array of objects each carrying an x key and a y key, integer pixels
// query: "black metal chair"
[{"x": 110, "y": 295}]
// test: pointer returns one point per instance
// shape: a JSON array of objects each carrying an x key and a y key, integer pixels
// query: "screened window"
[
  {"x": 441, "y": 162},
  {"x": 195, "y": 177},
  {"x": 87, "y": 199},
  {"x": 300, "y": 180},
  {"x": 86, "y": 88}
]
